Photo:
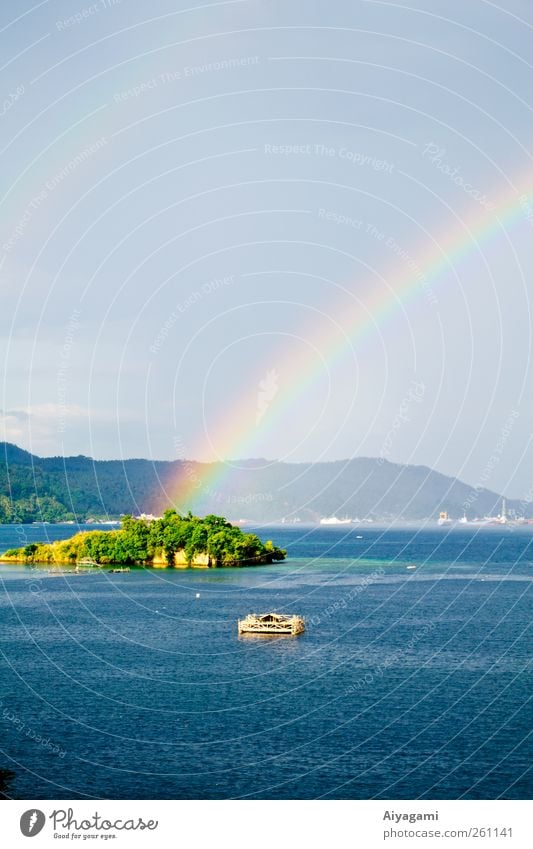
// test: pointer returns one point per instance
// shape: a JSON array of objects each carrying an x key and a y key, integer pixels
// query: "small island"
[{"x": 172, "y": 541}]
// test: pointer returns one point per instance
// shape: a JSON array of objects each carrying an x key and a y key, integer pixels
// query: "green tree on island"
[{"x": 171, "y": 540}]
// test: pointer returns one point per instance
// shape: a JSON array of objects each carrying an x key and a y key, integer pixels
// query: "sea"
[{"x": 411, "y": 681}]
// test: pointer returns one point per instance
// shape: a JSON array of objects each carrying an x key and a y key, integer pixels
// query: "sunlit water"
[{"x": 407, "y": 683}]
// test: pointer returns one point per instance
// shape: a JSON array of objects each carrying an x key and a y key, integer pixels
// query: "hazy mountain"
[{"x": 53, "y": 488}]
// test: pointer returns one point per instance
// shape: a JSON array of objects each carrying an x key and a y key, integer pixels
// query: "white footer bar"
[{"x": 253, "y": 824}]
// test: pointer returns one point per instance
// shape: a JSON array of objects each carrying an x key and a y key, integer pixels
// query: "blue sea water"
[{"x": 408, "y": 683}]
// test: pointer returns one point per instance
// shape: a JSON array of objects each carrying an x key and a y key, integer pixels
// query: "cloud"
[
  {"x": 43, "y": 427},
  {"x": 13, "y": 425}
]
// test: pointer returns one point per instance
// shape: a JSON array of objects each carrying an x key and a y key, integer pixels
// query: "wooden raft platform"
[{"x": 271, "y": 623}]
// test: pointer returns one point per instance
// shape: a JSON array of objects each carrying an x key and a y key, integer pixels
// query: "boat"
[
  {"x": 332, "y": 520},
  {"x": 411, "y": 566},
  {"x": 271, "y": 623},
  {"x": 444, "y": 519},
  {"x": 120, "y": 569},
  {"x": 88, "y": 561}
]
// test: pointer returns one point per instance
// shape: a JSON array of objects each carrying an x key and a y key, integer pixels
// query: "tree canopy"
[{"x": 143, "y": 541}]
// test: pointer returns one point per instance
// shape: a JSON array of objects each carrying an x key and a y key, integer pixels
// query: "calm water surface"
[{"x": 407, "y": 683}]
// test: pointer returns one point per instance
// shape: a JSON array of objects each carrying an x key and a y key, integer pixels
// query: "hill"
[{"x": 77, "y": 488}]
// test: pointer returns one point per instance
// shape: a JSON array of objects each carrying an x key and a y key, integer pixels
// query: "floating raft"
[{"x": 271, "y": 623}]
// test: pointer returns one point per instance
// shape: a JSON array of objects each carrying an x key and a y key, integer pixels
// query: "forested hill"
[{"x": 62, "y": 488}]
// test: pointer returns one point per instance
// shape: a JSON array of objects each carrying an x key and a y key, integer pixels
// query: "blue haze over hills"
[{"x": 58, "y": 488}]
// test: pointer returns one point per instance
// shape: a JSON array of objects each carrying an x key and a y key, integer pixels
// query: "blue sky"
[{"x": 191, "y": 195}]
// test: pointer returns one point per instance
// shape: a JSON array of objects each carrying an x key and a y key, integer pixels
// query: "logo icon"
[
  {"x": 32, "y": 822},
  {"x": 268, "y": 389}
]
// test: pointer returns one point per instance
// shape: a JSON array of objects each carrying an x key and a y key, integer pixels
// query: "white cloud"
[
  {"x": 13, "y": 425},
  {"x": 43, "y": 428}
]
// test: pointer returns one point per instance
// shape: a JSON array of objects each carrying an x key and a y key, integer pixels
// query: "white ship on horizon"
[{"x": 332, "y": 520}]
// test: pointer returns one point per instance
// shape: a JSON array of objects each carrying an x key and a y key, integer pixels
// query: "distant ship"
[
  {"x": 501, "y": 518},
  {"x": 503, "y": 514},
  {"x": 444, "y": 519},
  {"x": 332, "y": 520}
]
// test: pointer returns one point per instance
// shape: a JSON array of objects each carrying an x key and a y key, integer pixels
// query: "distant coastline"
[{"x": 79, "y": 489}]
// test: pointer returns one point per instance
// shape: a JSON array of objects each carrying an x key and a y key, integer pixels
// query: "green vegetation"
[
  {"x": 171, "y": 540},
  {"x": 61, "y": 489},
  {"x": 33, "y": 508},
  {"x": 54, "y": 489}
]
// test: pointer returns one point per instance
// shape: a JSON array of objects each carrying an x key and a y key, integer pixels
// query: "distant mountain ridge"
[{"x": 76, "y": 488}]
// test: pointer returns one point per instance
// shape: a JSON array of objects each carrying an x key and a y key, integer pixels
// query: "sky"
[{"x": 280, "y": 229}]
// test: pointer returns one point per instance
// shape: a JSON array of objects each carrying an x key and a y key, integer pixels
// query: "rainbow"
[{"x": 403, "y": 282}]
